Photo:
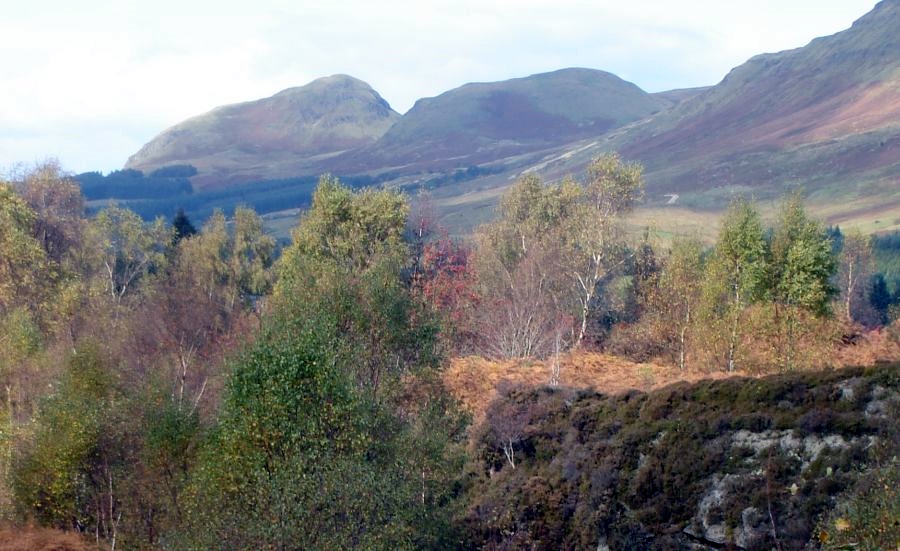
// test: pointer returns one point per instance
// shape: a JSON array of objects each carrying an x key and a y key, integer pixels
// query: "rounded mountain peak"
[
  {"x": 326, "y": 116},
  {"x": 333, "y": 82}
]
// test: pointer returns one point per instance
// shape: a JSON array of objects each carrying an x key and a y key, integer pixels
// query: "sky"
[{"x": 88, "y": 82}]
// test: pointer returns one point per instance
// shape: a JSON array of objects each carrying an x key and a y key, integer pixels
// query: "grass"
[
  {"x": 474, "y": 381},
  {"x": 280, "y": 224},
  {"x": 462, "y": 214},
  {"x": 30, "y": 538}
]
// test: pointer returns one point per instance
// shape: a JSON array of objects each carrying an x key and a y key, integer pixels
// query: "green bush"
[
  {"x": 74, "y": 455},
  {"x": 869, "y": 517}
]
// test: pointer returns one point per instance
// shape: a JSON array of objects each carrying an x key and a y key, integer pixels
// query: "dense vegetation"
[
  {"x": 752, "y": 463},
  {"x": 886, "y": 248},
  {"x": 168, "y": 386},
  {"x": 167, "y": 189},
  {"x": 557, "y": 268},
  {"x": 128, "y": 184}
]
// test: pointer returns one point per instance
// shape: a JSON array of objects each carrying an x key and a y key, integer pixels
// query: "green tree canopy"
[
  {"x": 801, "y": 263},
  {"x": 26, "y": 274},
  {"x": 353, "y": 230},
  {"x": 736, "y": 272},
  {"x": 323, "y": 443},
  {"x": 124, "y": 248},
  {"x": 349, "y": 254}
]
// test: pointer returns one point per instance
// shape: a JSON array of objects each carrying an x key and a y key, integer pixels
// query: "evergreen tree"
[
  {"x": 880, "y": 297},
  {"x": 183, "y": 226}
]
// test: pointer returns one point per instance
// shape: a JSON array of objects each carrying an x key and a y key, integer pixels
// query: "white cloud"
[{"x": 91, "y": 81}]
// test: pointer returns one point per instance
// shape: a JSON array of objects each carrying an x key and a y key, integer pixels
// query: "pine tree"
[{"x": 183, "y": 226}]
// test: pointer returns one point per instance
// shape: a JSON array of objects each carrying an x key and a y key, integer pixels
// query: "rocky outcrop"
[{"x": 730, "y": 464}]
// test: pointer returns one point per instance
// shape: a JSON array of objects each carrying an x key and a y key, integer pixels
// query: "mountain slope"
[
  {"x": 828, "y": 110},
  {"x": 481, "y": 122},
  {"x": 284, "y": 135},
  {"x": 825, "y": 116},
  {"x": 673, "y": 97}
]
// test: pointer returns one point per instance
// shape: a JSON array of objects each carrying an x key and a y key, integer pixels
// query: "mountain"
[
  {"x": 824, "y": 118},
  {"x": 824, "y": 115},
  {"x": 287, "y": 134},
  {"x": 673, "y": 97},
  {"x": 482, "y": 122}
]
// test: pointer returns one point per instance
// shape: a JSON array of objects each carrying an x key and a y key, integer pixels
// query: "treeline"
[
  {"x": 886, "y": 248},
  {"x": 168, "y": 386},
  {"x": 127, "y": 184},
  {"x": 556, "y": 270},
  {"x": 168, "y": 189},
  {"x": 268, "y": 196},
  {"x": 459, "y": 175}
]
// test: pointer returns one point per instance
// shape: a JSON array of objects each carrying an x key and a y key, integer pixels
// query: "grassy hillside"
[
  {"x": 285, "y": 135},
  {"x": 484, "y": 121},
  {"x": 824, "y": 118}
]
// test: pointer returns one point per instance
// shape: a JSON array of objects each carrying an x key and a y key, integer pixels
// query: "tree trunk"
[
  {"x": 849, "y": 291},
  {"x": 583, "y": 330}
]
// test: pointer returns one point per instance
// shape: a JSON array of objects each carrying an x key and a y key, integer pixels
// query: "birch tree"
[
  {"x": 523, "y": 270},
  {"x": 677, "y": 296},
  {"x": 800, "y": 268},
  {"x": 127, "y": 248},
  {"x": 58, "y": 205},
  {"x": 26, "y": 275},
  {"x": 854, "y": 278},
  {"x": 595, "y": 234},
  {"x": 736, "y": 273}
]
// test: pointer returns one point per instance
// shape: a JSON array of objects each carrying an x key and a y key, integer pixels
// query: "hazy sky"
[{"x": 90, "y": 81}]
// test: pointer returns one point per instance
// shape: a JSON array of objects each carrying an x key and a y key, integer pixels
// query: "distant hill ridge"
[
  {"x": 480, "y": 122},
  {"x": 278, "y": 136},
  {"x": 847, "y": 83},
  {"x": 825, "y": 116},
  {"x": 305, "y": 130}
]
